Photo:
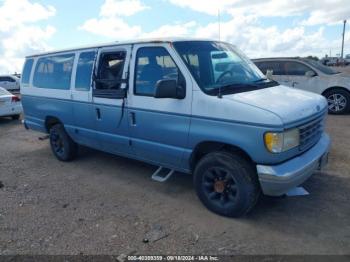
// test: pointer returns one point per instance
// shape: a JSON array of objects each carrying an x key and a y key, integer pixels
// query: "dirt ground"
[{"x": 104, "y": 204}]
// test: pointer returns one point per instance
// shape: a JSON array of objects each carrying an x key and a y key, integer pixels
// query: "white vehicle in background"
[
  {"x": 310, "y": 75},
  {"x": 10, "y": 105},
  {"x": 10, "y": 82}
]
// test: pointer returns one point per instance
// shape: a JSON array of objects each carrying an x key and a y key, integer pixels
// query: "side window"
[
  {"x": 54, "y": 72},
  {"x": 296, "y": 69},
  {"x": 153, "y": 64},
  {"x": 263, "y": 66},
  {"x": 110, "y": 71},
  {"x": 27, "y": 69},
  {"x": 10, "y": 79},
  {"x": 84, "y": 71},
  {"x": 6, "y": 79},
  {"x": 276, "y": 66}
]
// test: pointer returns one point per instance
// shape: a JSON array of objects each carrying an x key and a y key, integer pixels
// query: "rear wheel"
[
  {"x": 226, "y": 184},
  {"x": 63, "y": 147},
  {"x": 338, "y": 101}
]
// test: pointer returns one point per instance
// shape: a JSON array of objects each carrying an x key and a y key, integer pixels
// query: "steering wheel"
[{"x": 224, "y": 74}]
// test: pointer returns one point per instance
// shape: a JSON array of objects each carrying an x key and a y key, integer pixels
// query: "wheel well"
[
  {"x": 334, "y": 87},
  {"x": 205, "y": 148},
  {"x": 50, "y": 121}
]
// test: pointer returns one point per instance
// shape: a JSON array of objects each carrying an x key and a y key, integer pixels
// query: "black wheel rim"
[
  {"x": 220, "y": 187},
  {"x": 57, "y": 143}
]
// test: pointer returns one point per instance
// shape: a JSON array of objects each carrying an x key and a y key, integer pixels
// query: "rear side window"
[
  {"x": 296, "y": 69},
  {"x": 54, "y": 72},
  {"x": 6, "y": 79},
  {"x": 27, "y": 69},
  {"x": 84, "y": 71}
]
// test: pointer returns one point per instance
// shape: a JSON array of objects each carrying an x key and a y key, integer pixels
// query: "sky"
[{"x": 260, "y": 28}]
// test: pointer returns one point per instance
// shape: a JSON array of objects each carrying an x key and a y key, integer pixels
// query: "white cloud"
[
  {"x": 112, "y": 27},
  {"x": 243, "y": 27},
  {"x": 110, "y": 22},
  {"x": 209, "y": 7},
  {"x": 259, "y": 41},
  {"x": 15, "y": 13},
  {"x": 121, "y": 8},
  {"x": 176, "y": 30},
  {"x": 19, "y": 36},
  {"x": 320, "y": 11}
]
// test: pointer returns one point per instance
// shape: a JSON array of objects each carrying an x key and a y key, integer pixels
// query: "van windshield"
[{"x": 220, "y": 67}]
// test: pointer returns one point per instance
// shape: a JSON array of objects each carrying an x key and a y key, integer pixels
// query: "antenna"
[{"x": 219, "y": 22}]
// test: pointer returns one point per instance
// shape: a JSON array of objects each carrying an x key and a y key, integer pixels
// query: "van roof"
[{"x": 116, "y": 43}]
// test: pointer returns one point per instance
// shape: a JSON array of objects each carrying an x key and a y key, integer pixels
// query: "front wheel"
[
  {"x": 338, "y": 101},
  {"x": 63, "y": 147},
  {"x": 15, "y": 117},
  {"x": 226, "y": 183}
]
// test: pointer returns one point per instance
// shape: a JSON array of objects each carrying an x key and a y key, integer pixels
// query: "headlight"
[{"x": 280, "y": 142}]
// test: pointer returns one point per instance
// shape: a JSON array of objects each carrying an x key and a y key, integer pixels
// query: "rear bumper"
[
  {"x": 11, "y": 110},
  {"x": 279, "y": 179}
]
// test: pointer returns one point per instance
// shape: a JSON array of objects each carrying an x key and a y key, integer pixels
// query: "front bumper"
[{"x": 279, "y": 179}]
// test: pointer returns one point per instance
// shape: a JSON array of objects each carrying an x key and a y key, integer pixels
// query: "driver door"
[{"x": 159, "y": 127}]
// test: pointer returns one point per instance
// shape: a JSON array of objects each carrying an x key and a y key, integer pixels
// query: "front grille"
[{"x": 310, "y": 133}]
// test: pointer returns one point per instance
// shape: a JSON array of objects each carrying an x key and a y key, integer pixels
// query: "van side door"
[
  {"x": 159, "y": 127},
  {"x": 81, "y": 95},
  {"x": 109, "y": 106}
]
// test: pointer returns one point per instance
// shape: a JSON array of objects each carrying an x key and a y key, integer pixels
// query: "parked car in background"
[
  {"x": 310, "y": 75},
  {"x": 197, "y": 107},
  {"x": 347, "y": 59},
  {"x": 10, "y": 82},
  {"x": 10, "y": 105}
]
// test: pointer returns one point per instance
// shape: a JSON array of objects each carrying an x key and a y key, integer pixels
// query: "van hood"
[{"x": 289, "y": 104}]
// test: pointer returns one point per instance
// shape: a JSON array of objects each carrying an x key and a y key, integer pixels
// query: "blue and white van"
[{"x": 194, "y": 106}]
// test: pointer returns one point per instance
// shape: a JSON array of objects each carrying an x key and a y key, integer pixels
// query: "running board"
[{"x": 161, "y": 176}]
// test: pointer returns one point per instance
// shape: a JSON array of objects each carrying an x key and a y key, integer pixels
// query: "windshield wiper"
[
  {"x": 237, "y": 88},
  {"x": 261, "y": 80},
  {"x": 243, "y": 87}
]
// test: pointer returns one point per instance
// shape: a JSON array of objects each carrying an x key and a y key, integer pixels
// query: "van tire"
[
  {"x": 340, "y": 93},
  {"x": 62, "y": 146},
  {"x": 15, "y": 117},
  {"x": 226, "y": 183}
]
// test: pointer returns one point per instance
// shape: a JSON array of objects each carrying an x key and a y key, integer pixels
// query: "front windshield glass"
[
  {"x": 322, "y": 68},
  {"x": 217, "y": 65}
]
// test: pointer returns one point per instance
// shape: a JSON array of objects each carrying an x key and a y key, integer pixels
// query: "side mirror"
[
  {"x": 168, "y": 88},
  {"x": 310, "y": 74}
]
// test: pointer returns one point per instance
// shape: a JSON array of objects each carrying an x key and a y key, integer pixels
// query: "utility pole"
[{"x": 342, "y": 46}]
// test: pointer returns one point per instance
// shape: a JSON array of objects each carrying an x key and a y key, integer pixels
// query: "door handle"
[
  {"x": 132, "y": 118},
  {"x": 98, "y": 113}
]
